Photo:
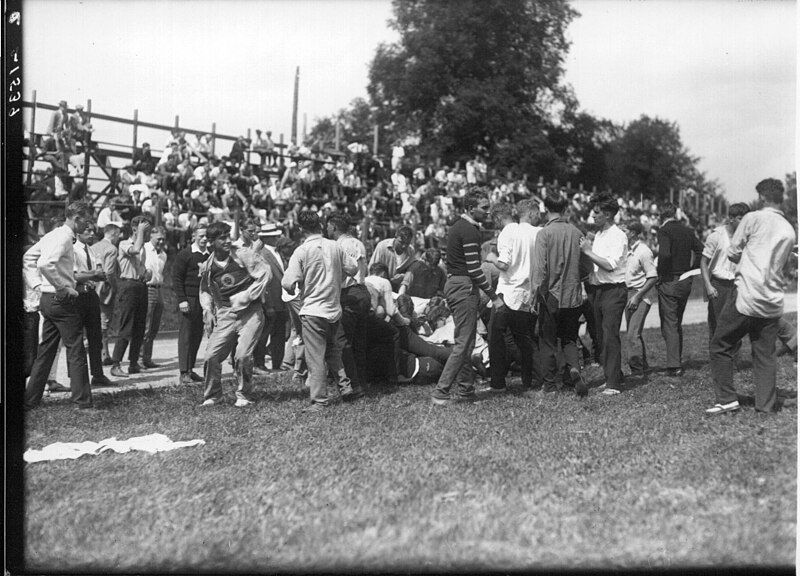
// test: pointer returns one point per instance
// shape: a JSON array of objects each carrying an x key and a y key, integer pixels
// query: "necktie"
[{"x": 89, "y": 266}]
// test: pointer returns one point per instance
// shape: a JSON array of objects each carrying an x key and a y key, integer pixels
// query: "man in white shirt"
[
  {"x": 317, "y": 267},
  {"x": 606, "y": 288},
  {"x": 717, "y": 271},
  {"x": 640, "y": 277},
  {"x": 155, "y": 261},
  {"x": 762, "y": 246},
  {"x": 50, "y": 271},
  {"x": 514, "y": 260}
]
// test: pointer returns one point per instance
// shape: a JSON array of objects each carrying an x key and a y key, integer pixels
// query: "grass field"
[{"x": 643, "y": 479}]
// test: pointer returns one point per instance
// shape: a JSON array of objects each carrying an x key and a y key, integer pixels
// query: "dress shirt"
[
  {"x": 611, "y": 244},
  {"x": 764, "y": 239},
  {"x": 131, "y": 266},
  {"x": 716, "y": 250},
  {"x": 318, "y": 265},
  {"x": 516, "y": 248},
  {"x": 354, "y": 248},
  {"x": 380, "y": 291},
  {"x": 155, "y": 262},
  {"x": 51, "y": 265},
  {"x": 640, "y": 266}
]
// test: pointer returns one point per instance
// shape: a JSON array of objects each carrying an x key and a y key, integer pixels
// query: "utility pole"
[{"x": 294, "y": 107}]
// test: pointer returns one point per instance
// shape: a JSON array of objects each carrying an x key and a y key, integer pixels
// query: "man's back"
[
  {"x": 318, "y": 264},
  {"x": 556, "y": 265},
  {"x": 676, "y": 243},
  {"x": 765, "y": 240}
]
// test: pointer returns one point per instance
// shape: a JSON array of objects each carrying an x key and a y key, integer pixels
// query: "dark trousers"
[
  {"x": 672, "y": 298},
  {"x": 732, "y": 326},
  {"x": 190, "y": 334},
  {"x": 412, "y": 342},
  {"x": 715, "y": 306},
  {"x": 89, "y": 309},
  {"x": 273, "y": 336},
  {"x": 132, "y": 317},
  {"x": 30, "y": 339},
  {"x": 557, "y": 324},
  {"x": 355, "y": 311},
  {"x": 462, "y": 299},
  {"x": 155, "y": 307},
  {"x": 383, "y": 347},
  {"x": 608, "y": 305},
  {"x": 519, "y": 323},
  {"x": 62, "y": 321},
  {"x": 634, "y": 322}
]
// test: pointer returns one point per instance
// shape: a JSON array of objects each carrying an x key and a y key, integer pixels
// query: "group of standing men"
[
  {"x": 543, "y": 272},
  {"x": 242, "y": 294}
]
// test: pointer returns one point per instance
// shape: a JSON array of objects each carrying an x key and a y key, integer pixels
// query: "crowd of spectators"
[{"x": 188, "y": 184}]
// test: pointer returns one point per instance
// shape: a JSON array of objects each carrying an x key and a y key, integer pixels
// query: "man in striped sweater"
[{"x": 464, "y": 278}]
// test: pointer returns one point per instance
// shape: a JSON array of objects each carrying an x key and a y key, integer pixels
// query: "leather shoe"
[
  {"x": 134, "y": 369},
  {"x": 150, "y": 364},
  {"x": 108, "y": 362},
  {"x": 102, "y": 381},
  {"x": 117, "y": 372},
  {"x": 54, "y": 386},
  {"x": 196, "y": 377}
]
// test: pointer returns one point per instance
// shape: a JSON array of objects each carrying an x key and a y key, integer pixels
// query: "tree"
[
  {"x": 474, "y": 76},
  {"x": 356, "y": 125},
  {"x": 582, "y": 144},
  {"x": 649, "y": 158}
]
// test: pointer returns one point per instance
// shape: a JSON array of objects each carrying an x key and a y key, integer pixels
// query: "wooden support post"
[
  {"x": 338, "y": 136},
  {"x": 248, "y": 148},
  {"x": 213, "y": 138},
  {"x": 32, "y": 142},
  {"x": 135, "y": 132},
  {"x": 282, "y": 149},
  {"x": 375, "y": 141},
  {"x": 177, "y": 121},
  {"x": 88, "y": 144}
]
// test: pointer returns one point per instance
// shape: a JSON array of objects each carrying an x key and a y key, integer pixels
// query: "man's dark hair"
[
  {"x": 555, "y": 203},
  {"x": 502, "y": 210},
  {"x": 605, "y": 202},
  {"x": 379, "y": 269},
  {"x": 217, "y": 229},
  {"x": 141, "y": 218},
  {"x": 340, "y": 222},
  {"x": 405, "y": 233},
  {"x": 738, "y": 210},
  {"x": 634, "y": 226},
  {"x": 309, "y": 221},
  {"x": 473, "y": 198},
  {"x": 432, "y": 256},
  {"x": 771, "y": 190},
  {"x": 668, "y": 210},
  {"x": 79, "y": 208}
]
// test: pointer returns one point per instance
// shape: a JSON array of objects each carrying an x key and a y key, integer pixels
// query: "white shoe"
[
  {"x": 211, "y": 402},
  {"x": 242, "y": 402},
  {"x": 610, "y": 392},
  {"x": 722, "y": 408}
]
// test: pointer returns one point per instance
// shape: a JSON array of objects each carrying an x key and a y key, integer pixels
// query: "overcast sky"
[{"x": 724, "y": 70}]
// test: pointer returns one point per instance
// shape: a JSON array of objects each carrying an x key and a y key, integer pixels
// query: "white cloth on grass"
[{"x": 151, "y": 443}]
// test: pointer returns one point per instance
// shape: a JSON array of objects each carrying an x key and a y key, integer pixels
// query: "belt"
[
  {"x": 132, "y": 280},
  {"x": 84, "y": 288},
  {"x": 724, "y": 281}
]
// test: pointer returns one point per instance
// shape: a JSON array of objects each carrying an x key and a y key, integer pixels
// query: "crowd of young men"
[{"x": 236, "y": 285}]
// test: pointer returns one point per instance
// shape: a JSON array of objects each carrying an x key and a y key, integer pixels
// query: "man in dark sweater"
[
  {"x": 186, "y": 283},
  {"x": 464, "y": 278},
  {"x": 679, "y": 251}
]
